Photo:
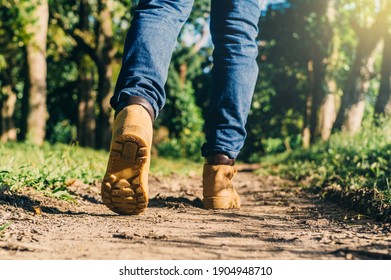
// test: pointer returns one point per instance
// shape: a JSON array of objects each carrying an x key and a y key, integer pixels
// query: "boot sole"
[{"x": 122, "y": 189}]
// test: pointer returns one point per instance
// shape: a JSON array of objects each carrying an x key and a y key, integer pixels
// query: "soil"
[{"x": 278, "y": 220}]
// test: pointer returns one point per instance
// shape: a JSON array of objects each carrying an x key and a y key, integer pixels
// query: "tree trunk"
[
  {"x": 86, "y": 108},
  {"x": 314, "y": 97},
  {"x": 306, "y": 133},
  {"x": 103, "y": 131},
  {"x": 316, "y": 77},
  {"x": 318, "y": 93},
  {"x": 328, "y": 111},
  {"x": 183, "y": 74},
  {"x": 102, "y": 53},
  {"x": 352, "y": 108},
  {"x": 383, "y": 102},
  {"x": 25, "y": 102},
  {"x": 36, "y": 61},
  {"x": 105, "y": 54},
  {"x": 8, "y": 130}
]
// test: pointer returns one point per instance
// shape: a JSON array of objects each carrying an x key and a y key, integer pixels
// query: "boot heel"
[
  {"x": 218, "y": 190},
  {"x": 218, "y": 203}
]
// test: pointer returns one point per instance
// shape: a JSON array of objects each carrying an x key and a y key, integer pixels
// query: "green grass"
[
  {"x": 51, "y": 167},
  {"x": 3, "y": 227},
  {"x": 48, "y": 168},
  {"x": 167, "y": 166},
  {"x": 355, "y": 170}
]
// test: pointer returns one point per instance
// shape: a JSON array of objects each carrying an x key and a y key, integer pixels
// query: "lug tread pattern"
[{"x": 125, "y": 196}]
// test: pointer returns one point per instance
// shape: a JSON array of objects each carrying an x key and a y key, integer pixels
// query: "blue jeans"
[{"x": 148, "y": 50}]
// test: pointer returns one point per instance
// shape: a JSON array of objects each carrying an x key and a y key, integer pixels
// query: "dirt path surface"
[{"x": 277, "y": 221}]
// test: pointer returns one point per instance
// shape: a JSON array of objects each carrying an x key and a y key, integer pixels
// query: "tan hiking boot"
[
  {"x": 125, "y": 184},
  {"x": 218, "y": 190}
]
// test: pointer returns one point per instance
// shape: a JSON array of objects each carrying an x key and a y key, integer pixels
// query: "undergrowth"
[
  {"x": 355, "y": 170},
  {"x": 51, "y": 168}
]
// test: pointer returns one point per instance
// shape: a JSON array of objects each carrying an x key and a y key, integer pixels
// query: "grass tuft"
[{"x": 3, "y": 227}]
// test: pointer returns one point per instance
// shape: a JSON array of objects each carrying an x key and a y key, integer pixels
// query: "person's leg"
[
  {"x": 139, "y": 95},
  {"x": 234, "y": 28},
  {"x": 148, "y": 49}
]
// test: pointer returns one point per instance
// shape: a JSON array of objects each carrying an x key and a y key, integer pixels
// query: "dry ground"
[{"x": 277, "y": 221}]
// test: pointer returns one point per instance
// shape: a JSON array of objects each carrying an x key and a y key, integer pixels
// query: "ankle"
[
  {"x": 135, "y": 100},
  {"x": 219, "y": 159}
]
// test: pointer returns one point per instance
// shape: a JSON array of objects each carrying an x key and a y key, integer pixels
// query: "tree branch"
[{"x": 201, "y": 42}]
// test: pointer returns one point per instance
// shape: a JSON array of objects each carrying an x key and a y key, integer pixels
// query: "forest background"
[{"x": 325, "y": 67}]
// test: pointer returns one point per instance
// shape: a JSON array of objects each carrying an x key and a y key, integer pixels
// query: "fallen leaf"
[{"x": 37, "y": 210}]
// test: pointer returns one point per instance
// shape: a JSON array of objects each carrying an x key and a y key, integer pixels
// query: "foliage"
[
  {"x": 182, "y": 114},
  {"x": 352, "y": 164},
  {"x": 161, "y": 166},
  {"x": 63, "y": 132},
  {"x": 52, "y": 168},
  {"x": 362, "y": 160},
  {"x": 14, "y": 17},
  {"x": 184, "y": 120},
  {"x": 277, "y": 113},
  {"x": 3, "y": 227},
  {"x": 290, "y": 32},
  {"x": 185, "y": 146}
]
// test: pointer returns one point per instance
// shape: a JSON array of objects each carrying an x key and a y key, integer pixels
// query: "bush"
[
  {"x": 63, "y": 132},
  {"x": 351, "y": 165},
  {"x": 187, "y": 146}
]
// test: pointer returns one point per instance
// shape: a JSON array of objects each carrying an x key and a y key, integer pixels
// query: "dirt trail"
[{"x": 277, "y": 221}]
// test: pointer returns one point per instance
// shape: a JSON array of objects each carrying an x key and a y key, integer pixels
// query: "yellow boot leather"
[
  {"x": 125, "y": 184},
  {"x": 218, "y": 190}
]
